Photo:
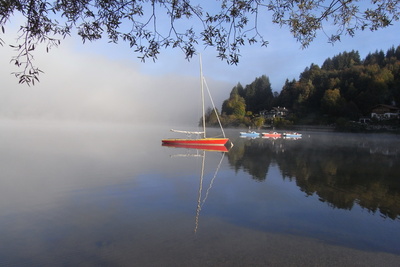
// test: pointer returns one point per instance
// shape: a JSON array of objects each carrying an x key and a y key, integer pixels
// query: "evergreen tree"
[
  {"x": 344, "y": 87},
  {"x": 258, "y": 95}
]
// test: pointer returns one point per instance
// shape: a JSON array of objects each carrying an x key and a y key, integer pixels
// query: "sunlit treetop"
[{"x": 151, "y": 26}]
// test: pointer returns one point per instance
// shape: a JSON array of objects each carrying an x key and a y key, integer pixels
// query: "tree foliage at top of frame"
[{"x": 149, "y": 26}]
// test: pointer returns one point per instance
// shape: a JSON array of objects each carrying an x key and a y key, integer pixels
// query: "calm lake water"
[{"x": 111, "y": 195}]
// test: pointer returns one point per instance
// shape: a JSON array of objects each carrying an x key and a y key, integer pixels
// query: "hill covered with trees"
[{"x": 343, "y": 89}]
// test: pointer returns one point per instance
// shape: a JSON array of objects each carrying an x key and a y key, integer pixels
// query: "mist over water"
[{"x": 83, "y": 86}]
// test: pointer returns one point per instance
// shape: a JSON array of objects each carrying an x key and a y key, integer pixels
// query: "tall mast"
[{"x": 202, "y": 98}]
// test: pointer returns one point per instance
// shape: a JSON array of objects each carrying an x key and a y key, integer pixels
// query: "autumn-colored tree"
[
  {"x": 331, "y": 101},
  {"x": 235, "y": 105}
]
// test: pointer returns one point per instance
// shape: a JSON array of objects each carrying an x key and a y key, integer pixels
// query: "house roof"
[
  {"x": 279, "y": 108},
  {"x": 385, "y": 106}
]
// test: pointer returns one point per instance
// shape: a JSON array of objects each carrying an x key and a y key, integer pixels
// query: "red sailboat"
[
  {"x": 216, "y": 148},
  {"x": 201, "y": 139}
]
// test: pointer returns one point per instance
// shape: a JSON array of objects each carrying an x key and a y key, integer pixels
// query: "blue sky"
[{"x": 102, "y": 81}]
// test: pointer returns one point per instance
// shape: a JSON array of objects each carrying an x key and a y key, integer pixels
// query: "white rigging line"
[
  {"x": 199, "y": 194},
  {"x": 212, "y": 102},
  {"x": 202, "y": 96},
  {"x": 212, "y": 180},
  {"x": 200, "y": 203}
]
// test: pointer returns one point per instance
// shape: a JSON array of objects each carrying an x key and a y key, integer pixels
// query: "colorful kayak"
[
  {"x": 249, "y": 134},
  {"x": 291, "y": 135},
  {"x": 271, "y": 134}
]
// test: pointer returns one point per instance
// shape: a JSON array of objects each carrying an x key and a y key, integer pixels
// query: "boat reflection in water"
[{"x": 201, "y": 152}]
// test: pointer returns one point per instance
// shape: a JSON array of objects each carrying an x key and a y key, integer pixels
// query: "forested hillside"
[{"x": 344, "y": 88}]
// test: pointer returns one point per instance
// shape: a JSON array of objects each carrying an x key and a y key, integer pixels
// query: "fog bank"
[{"x": 78, "y": 86}]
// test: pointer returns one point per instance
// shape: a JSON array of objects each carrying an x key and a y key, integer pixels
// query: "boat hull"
[
  {"x": 197, "y": 142},
  {"x": 200, "y": 147}
]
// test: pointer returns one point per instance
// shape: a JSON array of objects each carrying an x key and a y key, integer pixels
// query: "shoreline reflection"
[{"x": 341, "y": 170}]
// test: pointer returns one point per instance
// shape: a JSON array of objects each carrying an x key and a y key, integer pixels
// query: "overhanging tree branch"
[{"x": 226, "y": 25}]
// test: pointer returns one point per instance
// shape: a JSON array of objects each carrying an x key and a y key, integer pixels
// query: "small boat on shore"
[
  {"x": 291, "y": 135},
  {"x": 271, "y": 135},
  {"x": 249, "y": 134}
]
